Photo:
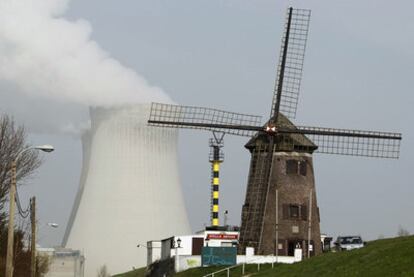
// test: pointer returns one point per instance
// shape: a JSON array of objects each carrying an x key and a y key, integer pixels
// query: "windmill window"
[
  {"x": 295, "y": 167},
  {"x": 291, "y": 167},
  {"x": 294, "y": 211}
]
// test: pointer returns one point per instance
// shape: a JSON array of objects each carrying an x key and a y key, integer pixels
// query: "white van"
[{"x": 349, "y": 243}]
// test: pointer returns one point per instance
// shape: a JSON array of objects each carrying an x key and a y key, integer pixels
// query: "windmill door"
[{"x": 292, "y": 245}]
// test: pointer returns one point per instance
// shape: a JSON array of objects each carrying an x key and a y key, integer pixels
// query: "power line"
[{"x": 23, "y": 213}]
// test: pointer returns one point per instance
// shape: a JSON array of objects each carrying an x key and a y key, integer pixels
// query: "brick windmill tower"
[{"x": 280, "y": 212}]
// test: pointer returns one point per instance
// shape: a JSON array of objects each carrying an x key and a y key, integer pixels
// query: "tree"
[
  {"x": 103, "y": 272},
  {"x": 22, "y": 257},
  {"x": 12, "y": 142},
  {"x": 402, "y": 232}
]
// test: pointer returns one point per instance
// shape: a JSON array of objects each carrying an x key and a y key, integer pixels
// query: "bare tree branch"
[{"x": 12, "y": 142}]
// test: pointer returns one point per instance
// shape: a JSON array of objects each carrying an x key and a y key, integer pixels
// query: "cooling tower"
[{"x": 129, "y": 191}]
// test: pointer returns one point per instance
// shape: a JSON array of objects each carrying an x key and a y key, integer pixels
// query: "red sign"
[{"x": 223, "y": 236}]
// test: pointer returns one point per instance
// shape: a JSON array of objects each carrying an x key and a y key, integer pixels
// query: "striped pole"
[
  {"x": 216, "y": 158},
  {"x": 215, "y": 194}
]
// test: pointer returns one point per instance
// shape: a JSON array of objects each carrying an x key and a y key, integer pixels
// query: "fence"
[
  {"x": 255, "y": 265},
  {"x": 243, "y": 268}
]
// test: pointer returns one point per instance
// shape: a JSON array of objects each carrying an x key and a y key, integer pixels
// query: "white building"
[
  {"x": 63, "y": 262},
  {"x": 129, "y": 192},
  {"x": 191, "y": 245},
  {"x": 187, "y": 249}
]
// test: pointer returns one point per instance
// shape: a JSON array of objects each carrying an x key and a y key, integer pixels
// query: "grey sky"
[{"x": 358, "y": 71}]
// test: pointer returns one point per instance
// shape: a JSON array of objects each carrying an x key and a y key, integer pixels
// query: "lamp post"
[
  {"x": 12, "y": 207},
  {"x": 33, "y": 237},
  {"x": 43, "y": 228},
  {"x": 149, "y": 253},
  {"x": 53, "y": 224},
  {"x": 177, "y": 262}
]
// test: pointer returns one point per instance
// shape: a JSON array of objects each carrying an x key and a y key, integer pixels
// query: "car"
[{"x": 349, "y": 243}]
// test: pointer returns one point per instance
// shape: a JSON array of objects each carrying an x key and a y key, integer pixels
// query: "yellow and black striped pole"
[
  {"x": 215, "y": 193},
  {"x": 216, "y": 158}
]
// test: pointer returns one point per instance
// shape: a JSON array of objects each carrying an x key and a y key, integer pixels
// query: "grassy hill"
[
  {"x": 140, "y": 272},
  {"x": 387, "y": 257}
]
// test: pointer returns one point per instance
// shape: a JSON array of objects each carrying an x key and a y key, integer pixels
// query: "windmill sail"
[
  {"x": 328, "y": 140},
  {"x": 191, "y": 117},
  {"x": 352, "y": 142},
  {"x": 290, "y": 66}
]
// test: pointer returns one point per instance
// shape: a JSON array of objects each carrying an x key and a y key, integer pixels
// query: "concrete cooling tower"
[{"x": 129, "y": 191}]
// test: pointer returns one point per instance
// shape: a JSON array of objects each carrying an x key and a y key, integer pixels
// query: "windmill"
[{"x": 280, "y": 212}]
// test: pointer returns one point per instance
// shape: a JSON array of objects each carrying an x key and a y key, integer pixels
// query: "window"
[
  {"x": 226, "y": 244},
  {"x": 294, "y": 211},
  {"x": 295, "y": 167},
  {"x": 291, "y": 167}
]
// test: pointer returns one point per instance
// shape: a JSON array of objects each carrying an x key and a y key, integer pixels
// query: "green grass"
[
  {"x": 387, "y": 257},
  {"x": 140, "y": 272}
]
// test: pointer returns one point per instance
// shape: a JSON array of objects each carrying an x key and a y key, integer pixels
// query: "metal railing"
[{"x": 243, "y": 270}]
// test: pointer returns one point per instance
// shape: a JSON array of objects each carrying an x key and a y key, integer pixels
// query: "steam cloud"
[{"x": 46, "y": 55}]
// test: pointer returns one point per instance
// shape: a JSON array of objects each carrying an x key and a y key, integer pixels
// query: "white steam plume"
[{"x": 47, "y": 55}]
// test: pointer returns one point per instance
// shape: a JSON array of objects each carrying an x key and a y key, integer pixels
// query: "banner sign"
[{"x": 222, "y": 236}]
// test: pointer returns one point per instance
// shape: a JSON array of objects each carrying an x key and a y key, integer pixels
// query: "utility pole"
[
  {"x": 310, "y": 223},
  {"x": 12, "y": 207},
  {"x": 12, "y": 194},
  {"x": 277, "y": 223},
  {"x": 33, "y": 237}
]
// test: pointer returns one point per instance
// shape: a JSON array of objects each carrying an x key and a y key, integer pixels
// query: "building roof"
[{"x": 285, "y": 142}]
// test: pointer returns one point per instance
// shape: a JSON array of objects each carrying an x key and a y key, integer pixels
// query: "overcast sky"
[{"x": 358, "y": 74}]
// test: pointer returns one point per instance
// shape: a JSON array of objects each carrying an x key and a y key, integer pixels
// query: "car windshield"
[
  {"x": 351, "y": 240},
  {"x": 356, "y": 241}
]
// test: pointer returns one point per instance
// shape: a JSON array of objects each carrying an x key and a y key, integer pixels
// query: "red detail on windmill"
[{"x": 223, "y": 236}]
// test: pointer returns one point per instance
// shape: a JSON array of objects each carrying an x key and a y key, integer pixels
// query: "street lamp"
[
  {"x": 12, "y": 192},
  {"x": 40, "y": 230},
  {"x": 45, "y": 148},
  {"x": 177, "y": 262},
  {"x": 53, "y": 225}
]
